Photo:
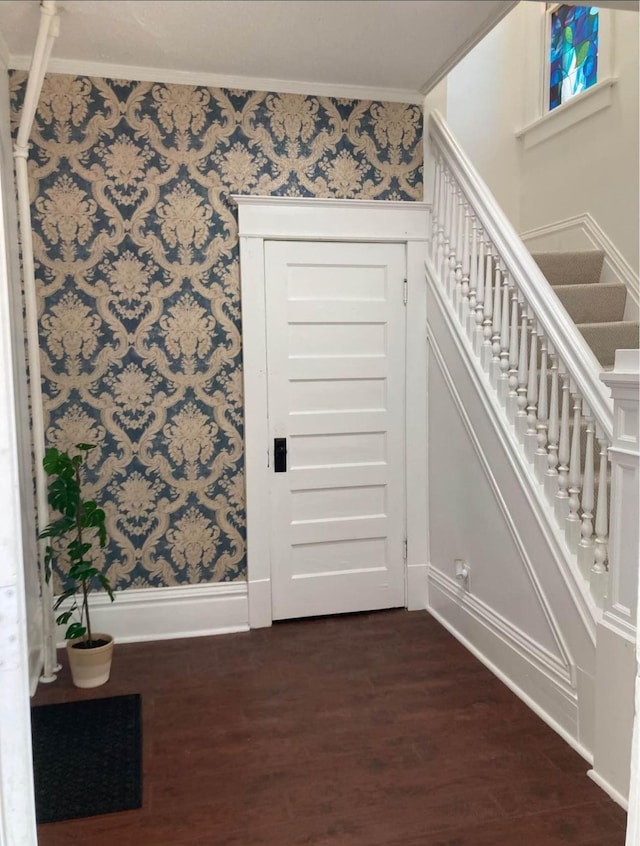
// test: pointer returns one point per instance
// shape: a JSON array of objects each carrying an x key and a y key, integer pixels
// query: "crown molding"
[
  {"x": 471, "y": 42},
  {"x": 214, "y": 80}
]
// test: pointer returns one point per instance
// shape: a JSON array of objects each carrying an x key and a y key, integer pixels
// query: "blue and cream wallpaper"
[{"x": 136, "y": 252}]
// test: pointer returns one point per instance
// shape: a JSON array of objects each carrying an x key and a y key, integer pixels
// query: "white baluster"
[
  {"x": 435, "y": 211},
  {"x": 478, "y": 317},
  {"x": 456, "y": 294},
  {"x": 443, "y": 254},
  {"x": 503, "y": 379},
  {"x": 463, "y": 308},
  {"x": 543, "y": 413},
  {"x": 488, "y": 309},
  {"x": 453, "y": 239},
  {"x": 468, "y": 318},
  {"x": 531, "y": 439},
  {"x": 562, "y": 494},
  {"x": 497, "y": 321},
  {"x": 512, "y": 397},
  {"x": 442, "y": 204},
  {"x": 551, "y": 476},
  {"x": 523, "y": 376},
  {"x": 574, "y": 477},
  {"x": 586, "y": 545},
  {"x": 601, "y": 553}
]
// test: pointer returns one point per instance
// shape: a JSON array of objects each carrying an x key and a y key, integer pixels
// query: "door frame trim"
[{"x": 263, "y": 219}]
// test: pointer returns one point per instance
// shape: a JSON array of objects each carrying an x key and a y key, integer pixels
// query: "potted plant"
[{"x": 73, "y": 536}]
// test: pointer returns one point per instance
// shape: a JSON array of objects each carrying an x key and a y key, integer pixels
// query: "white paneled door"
[{"x": 336, "y": 398}]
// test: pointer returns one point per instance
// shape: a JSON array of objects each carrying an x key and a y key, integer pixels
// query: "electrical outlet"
[{"x": 463, "y": 571}]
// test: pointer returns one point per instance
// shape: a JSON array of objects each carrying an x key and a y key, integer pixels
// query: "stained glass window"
[{"x": 574, "y": 52}]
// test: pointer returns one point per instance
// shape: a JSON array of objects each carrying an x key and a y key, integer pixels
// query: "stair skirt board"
[{"x": 514, "y": 658}]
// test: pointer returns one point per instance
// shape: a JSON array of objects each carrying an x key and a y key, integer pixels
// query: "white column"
[
  {"x": 624, "y": 455},
  {"x": 625, "y": 393},
  {"x": 617, "y": 740}
]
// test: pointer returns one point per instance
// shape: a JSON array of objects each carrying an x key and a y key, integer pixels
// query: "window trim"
[
  {"x": 541, "y": 123},
  {"x": 549, "y": 9}
]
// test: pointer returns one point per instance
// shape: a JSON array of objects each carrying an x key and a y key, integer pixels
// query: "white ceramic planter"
[{"x": 91, "y": 667}]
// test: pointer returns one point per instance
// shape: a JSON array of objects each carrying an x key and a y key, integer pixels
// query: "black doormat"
[{"x": 87, "y": 757}]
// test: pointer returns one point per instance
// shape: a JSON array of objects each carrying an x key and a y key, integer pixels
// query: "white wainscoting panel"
[
  {"x": 533, "y": 674},
  {"x": 524, "y": 612},
  {"x": 172, "y": 612}
]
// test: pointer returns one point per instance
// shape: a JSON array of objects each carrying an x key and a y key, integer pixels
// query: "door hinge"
[
  {"x": 405, "y": 292},
  {"x": 404, "y": 549}
]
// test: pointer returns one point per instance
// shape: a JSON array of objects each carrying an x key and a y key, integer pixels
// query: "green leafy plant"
[{"x": 73, "y": 536}]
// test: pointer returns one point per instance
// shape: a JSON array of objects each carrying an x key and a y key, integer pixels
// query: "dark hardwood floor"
[{"x": 364, "y": 730}]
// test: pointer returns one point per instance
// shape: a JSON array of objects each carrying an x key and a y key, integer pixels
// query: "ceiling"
[{"x": 395, "y": 48}]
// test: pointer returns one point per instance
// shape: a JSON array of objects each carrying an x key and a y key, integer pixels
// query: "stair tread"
[
  {"x": 606, "y": 337},
  {"x": 571, "y": 267},
  {"x": 589, "y": 286},
  {"x": 610, "y": 324},
  {"x": 586, "y": 303}
]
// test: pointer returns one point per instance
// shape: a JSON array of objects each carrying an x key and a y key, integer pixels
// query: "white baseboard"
[
  {"x": 608, "y": 789},
  {"x": 171, "y": 612},
  {"x": 534, "y": 675},
  {"x": 260, "y": 616},
  {"x": 416, "y": 587},
  {"x": 582, "y": 232}
]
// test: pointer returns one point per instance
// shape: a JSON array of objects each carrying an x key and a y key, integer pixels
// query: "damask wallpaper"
[{"x": 136, "y": 252}]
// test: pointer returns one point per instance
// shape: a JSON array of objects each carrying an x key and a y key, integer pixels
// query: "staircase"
[
  {"x": 596, "y": 307},
  {"x": 533, "y": 464}
]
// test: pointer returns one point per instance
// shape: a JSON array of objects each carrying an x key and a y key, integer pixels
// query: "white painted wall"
[
  {"x": 591, "y": 166},
  {"x": 484, "y": 110}
]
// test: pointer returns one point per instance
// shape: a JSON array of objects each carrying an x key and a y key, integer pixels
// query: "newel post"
[
  {"x": 617, "y": 676},
  {"x": 624, "y": 455}
]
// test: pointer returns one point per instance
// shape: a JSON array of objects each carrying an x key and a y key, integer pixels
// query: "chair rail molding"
[{"x": 309, "y": 219}]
